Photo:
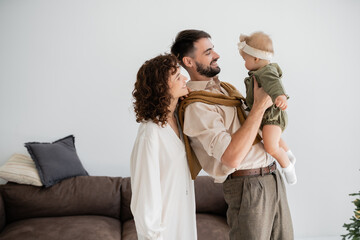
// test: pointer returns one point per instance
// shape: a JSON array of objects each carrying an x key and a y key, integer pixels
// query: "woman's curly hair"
[{"x": 151, "y": 91}]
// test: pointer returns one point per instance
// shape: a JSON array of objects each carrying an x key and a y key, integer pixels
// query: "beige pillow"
[{"x": 20, "y": 169}]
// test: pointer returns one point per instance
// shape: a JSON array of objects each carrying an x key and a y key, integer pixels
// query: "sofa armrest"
[{"x": 2, "y": 213}]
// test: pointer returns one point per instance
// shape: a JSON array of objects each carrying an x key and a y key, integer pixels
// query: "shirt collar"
[
  {"x": 204, "y": 85},
  {"x": 197, "y": 85}
]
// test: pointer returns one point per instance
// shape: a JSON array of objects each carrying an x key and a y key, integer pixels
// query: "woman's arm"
[{"x": 146, "y": 201}]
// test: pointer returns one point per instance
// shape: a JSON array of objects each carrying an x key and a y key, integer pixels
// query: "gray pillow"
[{"x": 56, "y": 161}]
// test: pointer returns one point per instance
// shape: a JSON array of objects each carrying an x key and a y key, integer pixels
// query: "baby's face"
[{"x": 250, "y": 62}]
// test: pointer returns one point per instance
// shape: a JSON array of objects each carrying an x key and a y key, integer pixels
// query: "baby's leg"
[
  {"x": 289, "y": 153},
  {"x": 283, "y": 145},
  {"x": 272, "y": 141},
  {"x": 271, "y": 137}
]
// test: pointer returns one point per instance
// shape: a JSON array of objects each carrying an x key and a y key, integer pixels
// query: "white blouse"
[{"x": 163, "y": 198}]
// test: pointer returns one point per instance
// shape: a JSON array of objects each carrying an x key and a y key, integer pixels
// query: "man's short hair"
[{"x": 184, "y": 43}]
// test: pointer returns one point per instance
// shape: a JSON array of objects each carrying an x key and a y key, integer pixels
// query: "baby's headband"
[{"x": 254, "y": 52}]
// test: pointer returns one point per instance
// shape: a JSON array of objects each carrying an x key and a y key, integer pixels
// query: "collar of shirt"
[{"x": 211, "y": 85}]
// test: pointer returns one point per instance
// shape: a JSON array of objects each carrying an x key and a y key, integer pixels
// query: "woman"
[{"x": 163, "y": 199}]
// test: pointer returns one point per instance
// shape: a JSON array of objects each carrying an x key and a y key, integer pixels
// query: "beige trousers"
[{"x": 258, "y": 208}]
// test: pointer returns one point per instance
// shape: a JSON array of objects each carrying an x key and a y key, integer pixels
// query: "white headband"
[{"x": 254, "y": 52}]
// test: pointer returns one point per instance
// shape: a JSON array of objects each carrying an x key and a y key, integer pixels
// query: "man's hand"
[
  {"x": 281, "y": 102},
  {"x": 243, "y": 138},
  {"x": 261, "y": 98}
]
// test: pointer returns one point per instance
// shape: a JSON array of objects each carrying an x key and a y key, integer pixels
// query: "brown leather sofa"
[{"x": 91, "y": 207}]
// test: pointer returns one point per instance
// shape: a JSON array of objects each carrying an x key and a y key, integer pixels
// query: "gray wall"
[{"x": 68, "y": 67}]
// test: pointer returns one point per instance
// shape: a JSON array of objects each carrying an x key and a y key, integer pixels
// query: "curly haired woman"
[{"x": 163, "y": 199}]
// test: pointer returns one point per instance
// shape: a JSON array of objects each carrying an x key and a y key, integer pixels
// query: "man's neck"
[{"x": 198, "y": 77}]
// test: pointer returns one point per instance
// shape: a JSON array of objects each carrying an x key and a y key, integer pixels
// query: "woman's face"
[{"x": 177, "y": 85}]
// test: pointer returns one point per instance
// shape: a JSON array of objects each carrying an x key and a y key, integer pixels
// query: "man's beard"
[{"x": 207, "y": 71}]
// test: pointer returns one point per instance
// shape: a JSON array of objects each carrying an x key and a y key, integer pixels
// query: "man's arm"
[{"x": 242, "y": 139}]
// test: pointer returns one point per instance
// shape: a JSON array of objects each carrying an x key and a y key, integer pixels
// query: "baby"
[{"x": 257, "y": 51}]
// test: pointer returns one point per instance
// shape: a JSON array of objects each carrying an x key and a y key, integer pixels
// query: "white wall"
[{"x": 68, "y": 67}]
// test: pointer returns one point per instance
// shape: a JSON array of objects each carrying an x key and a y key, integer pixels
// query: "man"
[{"x": 225, "y": 144}]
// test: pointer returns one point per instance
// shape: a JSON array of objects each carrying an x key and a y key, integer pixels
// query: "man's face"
[{"x": 206, "y": 58}]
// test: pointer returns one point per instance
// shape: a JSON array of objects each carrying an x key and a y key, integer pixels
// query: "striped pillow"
[{"x": 20, "y": 169}]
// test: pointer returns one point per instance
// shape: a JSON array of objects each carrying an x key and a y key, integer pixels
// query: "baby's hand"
[{"x": 281, "y": 102}]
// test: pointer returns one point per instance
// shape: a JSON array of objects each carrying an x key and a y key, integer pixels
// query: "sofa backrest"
[
  {"x": 209, "y": 196},
  {"x": 126, "y": 199},
  {"x": 83, "y": 195},
  {"x": 2, "y": 214}
]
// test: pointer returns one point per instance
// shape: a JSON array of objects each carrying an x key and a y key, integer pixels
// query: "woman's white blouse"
[{"x": 163, "y": 199}]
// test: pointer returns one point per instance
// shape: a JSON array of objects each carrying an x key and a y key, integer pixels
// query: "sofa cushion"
[
  {"x": 83, "y": 195},
  {"x": 64, "y": 228},
  {"x": 20, "y": 169},
  {"x": 129, "y": 230},
  {"x": 211, "y": 227},
  {"x": 56, "y": 161},
  {"x": 209, "y": 196}
]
